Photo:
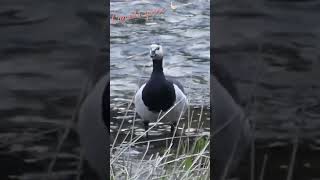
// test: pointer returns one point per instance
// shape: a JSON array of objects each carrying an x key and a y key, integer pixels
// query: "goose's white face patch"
[{"x": 156, "y": 52}]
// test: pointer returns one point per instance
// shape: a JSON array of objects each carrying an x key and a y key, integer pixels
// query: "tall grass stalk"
[{"x": 181, "y": 162}]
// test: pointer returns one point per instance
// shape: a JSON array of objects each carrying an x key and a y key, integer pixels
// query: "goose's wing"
[
  {"x": 230, "y": 127},
  {"x": 176, "y": 82},
  {"x": 223, "y": 76},
  {"x": 92, "y": 131}
]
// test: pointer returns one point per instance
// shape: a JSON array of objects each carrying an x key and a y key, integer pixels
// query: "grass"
[{"x": 184, "y": 157}]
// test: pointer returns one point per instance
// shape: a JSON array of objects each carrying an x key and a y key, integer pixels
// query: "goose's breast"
[
  {"x": 179, "y": 106},
  {"x": 141, "y": 108}
]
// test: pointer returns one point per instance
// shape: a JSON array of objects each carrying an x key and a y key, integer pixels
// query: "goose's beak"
[{"x": 153, "y": 54}]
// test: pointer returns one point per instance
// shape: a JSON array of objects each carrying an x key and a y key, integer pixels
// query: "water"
[
  {"x": 184, "y": 34},
  {"x": 271, "y": 50},
  {"x": 47, "y": 49}
]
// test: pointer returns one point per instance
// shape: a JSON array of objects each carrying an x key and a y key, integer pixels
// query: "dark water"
[
  {"x": 47, "y": 51},
  {"x": 271, "y": 49}
]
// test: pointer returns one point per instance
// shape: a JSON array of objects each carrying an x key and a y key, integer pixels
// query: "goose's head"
[{"x": 156, "y": 52}]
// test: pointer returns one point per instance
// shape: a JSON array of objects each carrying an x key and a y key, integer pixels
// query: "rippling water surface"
[
  {"x": 184, "y": 34},
  {"x": 271, "y": 49},
  {"x": 46, "y": 48}
]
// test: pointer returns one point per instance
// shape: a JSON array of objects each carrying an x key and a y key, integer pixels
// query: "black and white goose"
[
  {"x": 93, "y": 127},
  {"x": 160, "y": 94},
  {"x": 232, "y": 132}
]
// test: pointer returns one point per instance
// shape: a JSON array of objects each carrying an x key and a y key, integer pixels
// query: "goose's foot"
[
  {"x": 173, "y": 126},
  {"x": 146, "y": 127}
]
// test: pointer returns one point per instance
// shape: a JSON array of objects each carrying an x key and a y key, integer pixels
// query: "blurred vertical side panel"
[
  {"x": 266, "y": 65},
  {"x": 54, "y": 89}
]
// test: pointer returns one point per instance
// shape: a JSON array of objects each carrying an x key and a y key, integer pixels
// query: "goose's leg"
[
  {"x": 146, "y": 127},
  {"x": 173, "y": 126}
]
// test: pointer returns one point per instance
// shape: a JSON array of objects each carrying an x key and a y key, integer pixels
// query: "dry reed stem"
[
  {"x": 265, "y": 159},
  {"x": 293, "y": 158}
]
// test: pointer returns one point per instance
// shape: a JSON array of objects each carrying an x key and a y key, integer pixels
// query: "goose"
[
  {"x": 174, "y": 6},
  {"x": 231, "y": 130},
  {"x": 93, "y": 115},
  {"x": 93, "y": 127},
  {"x": 160, "y": 94}
]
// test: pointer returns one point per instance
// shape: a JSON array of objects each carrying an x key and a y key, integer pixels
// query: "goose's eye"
[{"x": 157, "y": 48}]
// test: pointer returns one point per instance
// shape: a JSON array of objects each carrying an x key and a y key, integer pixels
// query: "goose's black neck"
[{"x": 157, "y": 67}]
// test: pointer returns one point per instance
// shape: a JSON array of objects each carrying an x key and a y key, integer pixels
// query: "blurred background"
[
  {"x": 271, "y": 50},
  {"x": 48, "y": 50}
]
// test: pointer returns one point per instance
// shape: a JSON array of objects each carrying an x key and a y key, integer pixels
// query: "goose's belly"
[{"x": 178, "y": 109}]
